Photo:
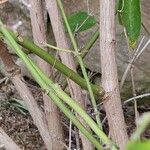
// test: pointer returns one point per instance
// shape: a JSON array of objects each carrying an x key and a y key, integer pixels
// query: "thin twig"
[
  {"x": 78, "y": 28},
  {"x": 67, "y": 127},
  {"x": 70, "y": 134},
  {"x": 136, "y": 97},
  {"x": 136, "y": 55},
  {"x": 87, "y": 4},
  {"x": 59, "y": 49},
  {"x": 134, "y": 94},
  {"x": 3, "y": 80},
  {"x": 145, "y": 28},
  {"x": 131, "y": 71},
  {"x": 75, "y": 46},
  {"x": 142, "y": 50},
  {"x": 77, "y": 138}
]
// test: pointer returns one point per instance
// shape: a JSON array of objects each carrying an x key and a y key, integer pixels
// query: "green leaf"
[
  {"x": 130, "y": 17},
  {"x": 119, "y": 11},
  {"x": 81, "y": 21},
  {"x": 138, "y": 145},
  {"x": 20, "y": 105}
]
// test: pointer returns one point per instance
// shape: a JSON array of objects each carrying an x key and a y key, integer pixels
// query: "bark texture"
[
  {"x": 51, "y": 110},
  {"x": 9, "y": 144},
  {"x": 13, "y": 71},
  {"x": 37, "y": 115},
  {"x": 66, "y": 58},
  {"x": 112, "y": 100}
]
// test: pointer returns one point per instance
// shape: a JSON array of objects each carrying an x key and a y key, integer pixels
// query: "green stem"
[
  {"x": 51, "y": 91},
  {"x": 90, "y": 43},
  {"x": 86, "y": 49},
  {"x": 28, "y": 44},
  {"x": 45, "y": 85},
  {"x": 59, "y": 49},
  {"x": 77, "y": 123},
  {"x": 73, "y": 104},
  {"x": 81, "y": 63}
]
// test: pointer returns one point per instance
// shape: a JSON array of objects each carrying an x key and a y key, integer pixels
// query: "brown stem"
[
  {"x": 9, "y": 144},
  {"x": 15, "y": 76},
  {"x": 66, "y": 58},
  {"x": 39, "y": 36},
  {"x": 10, "y": 66},
  {"x": 112, "y": 100}
]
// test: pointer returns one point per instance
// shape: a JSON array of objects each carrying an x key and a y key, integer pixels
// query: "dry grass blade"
[{"x": 136, "y": 97}]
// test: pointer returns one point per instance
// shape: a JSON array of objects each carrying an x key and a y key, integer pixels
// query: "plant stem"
[
  {"x": 50, "y": 87},
  {"x": 90, "y": 43},
  {"x": 81, "y": 64},
  {"x": 112, "y": 100},
  {"x": 28, "y": 44},
  {"x": 59, "y": 49},
  {"x": 73, "y": 104},
  {"x": 46, "y": 86},
  {"x": 77, "y": 123},
  {"x": 86, "y": 49}
]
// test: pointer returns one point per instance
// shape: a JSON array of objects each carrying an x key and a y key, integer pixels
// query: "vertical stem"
[
  {"x": 80, "y": 63},
  {"x": 67, "y": 59},
  {"x": 39, "y": 36},
  {"x": 14, "y": 72},
  {"x": 112, "y": 100}
]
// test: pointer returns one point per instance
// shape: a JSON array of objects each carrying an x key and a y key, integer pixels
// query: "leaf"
[
  {"x": 81, "y": 21},
  {"x": 119, "y": 11},
  {"x": 130, "y": 18},
  {"x": 138, "y": 145},
  {"x": 20, "y": 105}
]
